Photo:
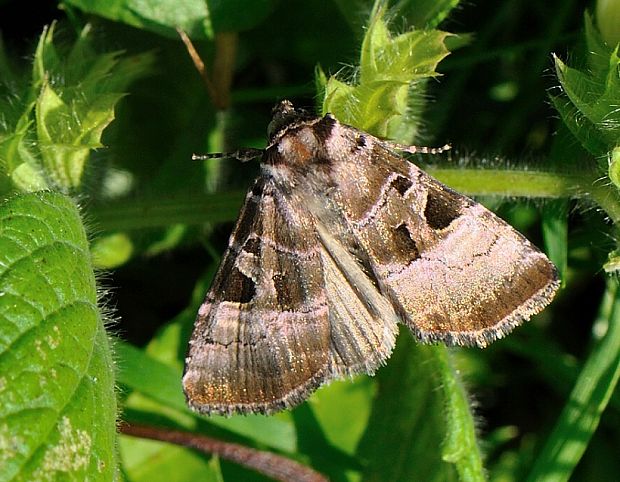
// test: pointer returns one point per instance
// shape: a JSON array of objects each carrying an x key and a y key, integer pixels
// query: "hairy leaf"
[{"x": 57, "y": 402}]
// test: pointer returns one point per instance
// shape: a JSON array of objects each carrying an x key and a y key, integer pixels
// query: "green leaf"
[
  {"x": 598, "y": 50},
  {"x": 589, "y": 398},
  {"x": 162, "y": 383},
  {"x": 389, "y": 91},
  {"x": 420, "y": 427},
  {"x": 111, "y": 251},
  {"x": 151, "y": 461},
  {"x": 417, "y": 13},
  {"x": 57, "y": 402},
  {"x": 581, "y": 127},
  {"x": 555, "y": 233},
  {"x": 425, "y": 13},
  {"x": 592, "y": 112},
  {"x": 343, "y": 408},
  {"x": 198, "y": 18},
  {"x": 17, "y": 161},
  {"x": 63, "y": 111},
  {"x": 63, "y": 158}
]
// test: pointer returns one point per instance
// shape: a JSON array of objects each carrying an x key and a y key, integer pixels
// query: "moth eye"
[
  {"x": 401, "y": 184},
  {"x": 239, "y": 287},
  {"x": 442, "y": 207},
  {"x": 405, "y": 243},
  {"x": 360, "y": 141}
]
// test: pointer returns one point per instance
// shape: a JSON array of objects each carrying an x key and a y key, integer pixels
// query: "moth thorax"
[{"x": 299, "y": 147}]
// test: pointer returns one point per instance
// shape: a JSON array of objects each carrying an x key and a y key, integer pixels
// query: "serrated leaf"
[
  {"x": 57, "y": 403},
  {"x": 581, "y": 127},
  {"x": 46, "y": 57},
  {"x": 198, "y": 18},
  {"x": 598, "y": 51},
  {"x": 59, "y": 114},
  {"x": 388, "y": 91},
  {"x": 63, "y": 161},
  {"x": 593, "y": 115},
  {"x": 582, "y": 89}
]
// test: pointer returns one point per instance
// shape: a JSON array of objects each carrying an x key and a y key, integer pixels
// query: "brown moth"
[{"x": 340, "y": 239}]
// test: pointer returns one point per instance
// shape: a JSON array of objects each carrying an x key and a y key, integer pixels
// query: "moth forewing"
[{"x": 341, "y": 238}]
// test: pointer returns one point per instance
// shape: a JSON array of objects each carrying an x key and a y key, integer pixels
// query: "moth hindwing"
[{"x": 340, "y": 239}]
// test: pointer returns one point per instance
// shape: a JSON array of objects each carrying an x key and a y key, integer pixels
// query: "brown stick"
[
  {"x": 218, "y": 87},
  {"x": 224, "y": 65},
  {"x": 198, "y": 63},
  {"x": 267, "y": 463}
]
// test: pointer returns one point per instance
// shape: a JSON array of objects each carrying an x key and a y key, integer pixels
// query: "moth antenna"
[
  {"x": 422, "y": 149},
  {"x": 243, "y": 155}
]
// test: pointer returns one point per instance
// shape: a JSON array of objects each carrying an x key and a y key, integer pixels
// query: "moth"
[{"x": 341, "y": 239}]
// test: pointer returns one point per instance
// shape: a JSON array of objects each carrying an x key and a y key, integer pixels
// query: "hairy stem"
[{"x": 220, "y": 207}]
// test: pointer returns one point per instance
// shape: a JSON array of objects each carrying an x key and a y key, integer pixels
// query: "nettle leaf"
[
  {"x": 590, "y": 107},
  {"x": 580, "y": 126},
  {"x": 67, "y": 132},
  {"x": 16, "y": 106},
  {"x": 390, "y": 81},
  {"x": 61, "y": 115},
  {"x": 198, "y": 18},
  {"x": 598, "y": 50},
  {"x": 57, "y": 402}
]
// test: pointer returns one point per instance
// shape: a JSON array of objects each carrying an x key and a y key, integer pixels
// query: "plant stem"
[
  {"x": 153, "y": 212},
  {"x": 509, "y": 183},
  {"x": 267, "y": 463},
  {"x": 143, "y": 213}
]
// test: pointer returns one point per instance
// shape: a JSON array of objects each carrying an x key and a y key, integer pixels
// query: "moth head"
[{"x": 285, "y": 116}]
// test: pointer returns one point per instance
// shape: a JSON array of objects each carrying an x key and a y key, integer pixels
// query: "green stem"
[
  {"x": 509, "y": 183},
  {"x": 220, "y": 207},
  {"x": 532, "y": 184},
  {"x": 152, "y": 213},
  {"x": 460, "y": 446}
]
